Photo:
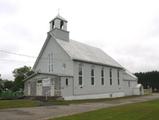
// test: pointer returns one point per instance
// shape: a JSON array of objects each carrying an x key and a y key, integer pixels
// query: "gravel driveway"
[{"x": 46, "y": 112}]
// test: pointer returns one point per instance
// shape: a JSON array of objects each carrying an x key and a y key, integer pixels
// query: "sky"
[{"x": 127, "y": 30}]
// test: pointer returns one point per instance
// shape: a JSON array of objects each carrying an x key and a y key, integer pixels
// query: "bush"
[{"x": 9, "y": 95}]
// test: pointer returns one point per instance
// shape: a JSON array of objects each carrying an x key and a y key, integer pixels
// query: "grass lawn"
[
  {"x": 35, "y": 103},
  {"x": 137, "y": 111},
  {"x": 18, "y": 103},
  {"x": 63, "y": 102},
  {"x": 29, "y": 103}
]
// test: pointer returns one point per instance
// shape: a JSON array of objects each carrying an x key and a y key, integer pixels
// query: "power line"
[
  {"x": 4, "y": 51},
  {"x": 24, "y": 55},
  {"x": 11, "y": 60}
]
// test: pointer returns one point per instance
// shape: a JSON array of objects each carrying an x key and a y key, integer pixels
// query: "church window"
[
  {"x": 110, "y": 75},
  {"x": 80, "y": 75},
  {"x": 92, "y": 76},
  {"x": 61, "y": 24},
  {"x": 52, "y": 62},
  {"x": 102, "y": 76},
  {"x": 50, "y": 57},
  {"x": 53, "y": 25},
  {"x": 66, "y": 81},
  {"x": 128, "y": 83},
  {"x": 118, "y": 77},
  {"x": 49, "y": 62}
]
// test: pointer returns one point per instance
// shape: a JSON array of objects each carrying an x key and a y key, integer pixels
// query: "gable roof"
[
  {"x": 129, "y": 76},
  {"x": 59, "y": 17},
  {"x": 41, "y": 51},
  {"x": 42, "y": 73},
  {"x": 82, "y": 52}
]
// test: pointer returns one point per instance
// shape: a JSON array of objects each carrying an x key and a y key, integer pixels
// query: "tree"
[
  {"x": 8, "y": 85},
  {"x": 1, "y": 84},
  {"x": 20, "y": 74},
  {"x": 149, "y": 79}
]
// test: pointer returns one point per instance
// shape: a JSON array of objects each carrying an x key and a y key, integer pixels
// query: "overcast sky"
[{"x": 127, "y": 30}]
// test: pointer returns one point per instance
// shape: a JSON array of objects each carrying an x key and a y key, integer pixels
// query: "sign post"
[{"x": 46, "y": 83}]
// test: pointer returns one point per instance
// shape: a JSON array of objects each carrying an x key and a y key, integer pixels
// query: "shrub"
[{"x": 9, "y": 95}]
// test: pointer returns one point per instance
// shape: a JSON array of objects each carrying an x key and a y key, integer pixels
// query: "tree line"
[
  {"x": 149, "y": 80},
  {"x": 18, "y": 83}
]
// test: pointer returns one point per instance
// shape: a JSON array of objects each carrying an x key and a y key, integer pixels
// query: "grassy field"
[
  {"x": 137, "y": 111},
  {"x": 35, "y": 103},
  {"x": 18, "y": 103}
]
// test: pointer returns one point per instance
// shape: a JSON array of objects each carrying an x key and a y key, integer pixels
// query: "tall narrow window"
[
  {"x": 53, "y": 25},
  {"x": 66, "y": 81},
  {"x": 102, "y": 76},
  {"x": 80, "y": 75},
  {"x": 50, "y": 57},
  {"x": 110, "y": 73},
  {"x": 61, "y": 24},
  {"x": 49, "y": 62},
  {"x": 128, "y": 83},
  {"x": 92, "y": 76},
  {"x": 118, "y": 77}
]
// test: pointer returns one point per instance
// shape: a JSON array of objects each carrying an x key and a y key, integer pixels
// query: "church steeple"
[
  {"x": 59, "y": 27},
  {"x": 58, "y": 22}
]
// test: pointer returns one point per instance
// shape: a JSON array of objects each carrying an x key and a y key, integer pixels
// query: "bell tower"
[{"x": 58, "y": 26}]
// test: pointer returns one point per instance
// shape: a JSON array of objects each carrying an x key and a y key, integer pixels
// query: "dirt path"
[{"x": 43, "y": 113}]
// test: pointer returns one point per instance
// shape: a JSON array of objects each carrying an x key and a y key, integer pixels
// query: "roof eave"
[{"x": 102, "y": 64}]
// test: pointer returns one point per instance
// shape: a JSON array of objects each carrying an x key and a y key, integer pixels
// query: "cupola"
[{"x": 58, "y": 26}]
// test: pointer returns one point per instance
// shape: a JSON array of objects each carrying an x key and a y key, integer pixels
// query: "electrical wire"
[
  {"x": 4, "y": 51},
  {"x": 28, "y": 56}
]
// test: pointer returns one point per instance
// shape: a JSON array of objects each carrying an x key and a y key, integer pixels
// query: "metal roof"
[
  {"x": 59, "y": 17},
  {"x": 129, "y": 76},
  {"x": 51, "y": 74},
  {"x": 82, "y": 52}
]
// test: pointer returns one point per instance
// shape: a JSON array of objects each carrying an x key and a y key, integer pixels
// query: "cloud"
[
  {"x": 17, "y": 31},
  {"x": 127, "y": 30},
  {"x": 7, "y": 7}
]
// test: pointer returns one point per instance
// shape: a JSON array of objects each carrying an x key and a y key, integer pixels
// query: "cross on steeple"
[
  {"x": 58, "y": 12},
  {"x": 59, "y": 27}
]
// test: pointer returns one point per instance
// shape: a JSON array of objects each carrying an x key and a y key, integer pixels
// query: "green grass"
[
  {"x": 35, "y": 103},
  {"x": 18, "y": 103},
  {"x": 29, "y": 103},
  {"x": 63, "y": 102},
  {"x": 137, "y": 111}
]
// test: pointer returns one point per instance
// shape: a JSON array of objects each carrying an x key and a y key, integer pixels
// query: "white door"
[
  {"x": 39, "y": 89},
  {"x": 52, "y": 90},
  {"x": 28, "y": 89}
]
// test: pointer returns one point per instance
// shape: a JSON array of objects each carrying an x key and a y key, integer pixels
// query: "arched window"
[
  {"x": 53, "y": 25},
  {"x": 61, "y": 24}
]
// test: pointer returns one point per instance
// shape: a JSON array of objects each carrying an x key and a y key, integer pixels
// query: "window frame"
[
  {"x": 80, "y": 75},
  {"x": 110, "y": 75},
  {"x": 129, "y": 84},
  {"x": 66, "y": 81},
  {"x": 102, "y": 76},
  {"x": 118, "y": 76},
  {"x": 92, "y": 77}
]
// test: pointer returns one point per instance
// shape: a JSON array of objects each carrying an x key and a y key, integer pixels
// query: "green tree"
[
  {"x": 8, "y": 85},
  {"x": 1, "y": 84},
  {"x": 149, "y": 79},
  {"x": 20, "y": 74}
]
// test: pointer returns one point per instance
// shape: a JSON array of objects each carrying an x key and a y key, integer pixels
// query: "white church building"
[{"x": 73, "y": 70}]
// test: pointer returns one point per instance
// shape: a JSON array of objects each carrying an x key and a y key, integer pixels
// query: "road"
[{"x": 46, "y": 112}]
